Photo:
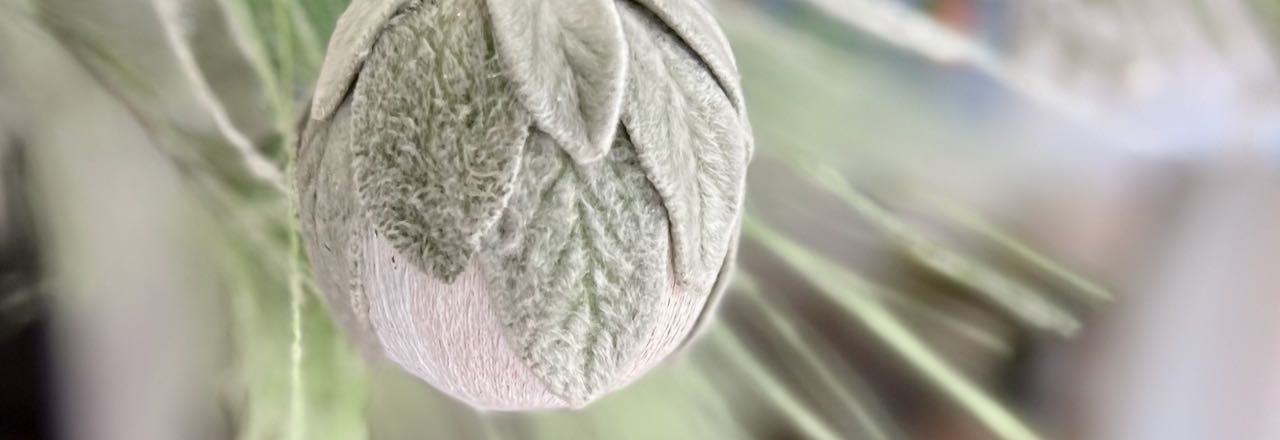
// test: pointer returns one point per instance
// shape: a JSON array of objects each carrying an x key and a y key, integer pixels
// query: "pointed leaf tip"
[{"x": 567, "y": 59}]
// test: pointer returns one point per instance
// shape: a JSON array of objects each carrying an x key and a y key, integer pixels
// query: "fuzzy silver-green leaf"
[
  {"x": 568, "y": 62},
  {"x": 693, "y": 23},
  {"x": 691, "y": 141},
  {"x": 438, "y": 133},
  {"x": 353, "y": 37},
  {"x": 576, "y": 265}
]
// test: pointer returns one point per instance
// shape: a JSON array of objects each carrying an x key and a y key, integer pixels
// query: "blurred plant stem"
[{"x": 850, "y": 292}]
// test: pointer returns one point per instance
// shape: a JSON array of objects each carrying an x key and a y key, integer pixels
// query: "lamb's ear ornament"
[{"x": 526, "y": 203}]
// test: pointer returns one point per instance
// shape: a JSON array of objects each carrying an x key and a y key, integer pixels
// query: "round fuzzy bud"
[{"x": 526, "y": 203}]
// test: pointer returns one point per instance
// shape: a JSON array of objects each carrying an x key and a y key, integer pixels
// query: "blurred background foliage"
[{"x": 913, "y": 157}]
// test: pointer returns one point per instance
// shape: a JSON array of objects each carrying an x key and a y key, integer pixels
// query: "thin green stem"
[
  {"x": 806, "y": 348},
  {"x": 261, "y": 167},
  {"x": 285, "y": 53},
  {"x": 251, "y": 44},
  {"x": 814, "y": 427},
  {"x": 720, "y": 408},
  {"x": 312, "y": 51},
  {"x": 1020, "y": 300},
  {"x": 970, "y": 219},
  {"x": 844, "y": 288}
]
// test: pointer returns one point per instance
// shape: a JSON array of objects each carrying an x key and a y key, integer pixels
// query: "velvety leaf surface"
[
  {"x": 567, "y": 59},
  {"x": 691, "y": 141},
  {"x": 352, "y": 40},
  {"x": 576, "y": 265},
  {"x": 438, "y": 134},
  {"x": 692, "y": 21}
]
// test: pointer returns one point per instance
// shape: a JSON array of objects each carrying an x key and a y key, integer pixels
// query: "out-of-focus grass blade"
[
  {"x": 807, "y": 346},
  {"x": 283, "y": 40},
  {"x": 812, "y": 425},
  {"x": 297, "y": 376},
  {"x": 214, "y": 166},
  {"x": 334, "y": 382},
  {"x": 909, "y": 304},
  {"x": 323, "y": 15},
  {"x": 1028, "y": 305},
  {"x": 918, "y": 33},
  {"x": 723, "y": 421},
  {"x": 964, "y": 216},
  {"x": 263, "y": 168},
  {"x": 308, "y": 38},
  {"x": 849, "y": 291},
  {"x": 253, "y": 47}
]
